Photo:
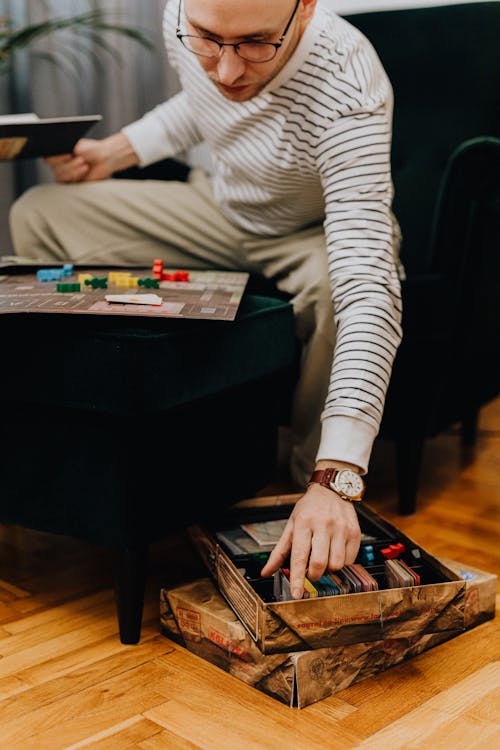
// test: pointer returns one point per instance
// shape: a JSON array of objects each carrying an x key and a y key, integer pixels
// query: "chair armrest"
[
  {"x": 470, "y": 182},
  {"x": 466, "y": 254}
]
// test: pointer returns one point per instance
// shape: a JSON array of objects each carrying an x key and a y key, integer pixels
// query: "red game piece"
[
  {"x": 157, "y": 269},
  {"x": 175, "y": 276},
  {"x": 393, "y": 551}
]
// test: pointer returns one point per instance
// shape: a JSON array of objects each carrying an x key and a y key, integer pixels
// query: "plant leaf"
[{"x": 93, "y": 21}]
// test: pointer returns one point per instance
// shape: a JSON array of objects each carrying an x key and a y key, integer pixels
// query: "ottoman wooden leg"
[{"x": 130, "y": 586}]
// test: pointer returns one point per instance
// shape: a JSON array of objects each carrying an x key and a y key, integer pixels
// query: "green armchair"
[{"x": 444, "y": 64}]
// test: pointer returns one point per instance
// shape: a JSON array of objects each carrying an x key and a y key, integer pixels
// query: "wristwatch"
[{"x": 346, "y": 483}]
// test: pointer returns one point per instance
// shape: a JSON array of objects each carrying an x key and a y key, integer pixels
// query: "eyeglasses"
[{"x": 258, "y": 52}]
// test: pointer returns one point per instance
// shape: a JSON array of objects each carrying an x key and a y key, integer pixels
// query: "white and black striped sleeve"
[
  {"x": 165, "y": 131},
  {"x": 353, "y": 158}
]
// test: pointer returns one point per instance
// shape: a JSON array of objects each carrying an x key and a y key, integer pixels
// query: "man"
[{"x": 296, "y": 109}]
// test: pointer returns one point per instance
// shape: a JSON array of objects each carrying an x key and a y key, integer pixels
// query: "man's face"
[{"x": 245, "y": 20}]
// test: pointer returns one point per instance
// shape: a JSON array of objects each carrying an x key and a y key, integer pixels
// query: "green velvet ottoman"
[{"x": 118, "y": 431}]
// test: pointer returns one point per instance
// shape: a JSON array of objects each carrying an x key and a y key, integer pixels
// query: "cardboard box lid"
[
  {"x": 313, "y": 623},
  {"x": 196, "y": 615}
]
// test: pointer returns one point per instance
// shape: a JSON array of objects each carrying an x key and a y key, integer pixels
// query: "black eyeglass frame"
[{"x": 236, "y": 45}]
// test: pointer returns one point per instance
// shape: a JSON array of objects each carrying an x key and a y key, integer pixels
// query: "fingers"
[
  {"x": 70, "y": 170},
  {"x": 351, "y": 549},
  {"x": 54, "y": 161},
  {"x": 86, "y": 146},
  {"x": 337, "y": 552},
  {"x": 332, "y": 553},
  {"x": 321, "y": 534},
  {"x": 299, "y": 559},
  {"x": 280, "y": 553},
  {"x": 319, "y": 556}
]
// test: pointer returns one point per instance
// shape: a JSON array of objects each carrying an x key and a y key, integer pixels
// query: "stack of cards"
[
  {"x": 358, "y": 578},
  {"x": 251, "y": 543},
  {"x": 265, "y": 532},
  {"x": 237, "y": 542},
  {"x": 399, "y": 575},
  {"x": 252, "y": 537},
  {"x": 349, "y": 580}
]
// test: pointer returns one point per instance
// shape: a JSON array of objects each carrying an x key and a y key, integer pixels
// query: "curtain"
[{"x": 85, "y": 79}]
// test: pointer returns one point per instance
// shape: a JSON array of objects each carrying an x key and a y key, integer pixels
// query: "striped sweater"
[{"x": 312, "y": 146}]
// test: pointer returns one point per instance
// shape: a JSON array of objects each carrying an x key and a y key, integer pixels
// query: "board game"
[{"x": 207, "y": 295}]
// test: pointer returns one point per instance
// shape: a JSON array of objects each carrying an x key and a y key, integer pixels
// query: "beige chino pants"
[{"x": 120, "y": 222}]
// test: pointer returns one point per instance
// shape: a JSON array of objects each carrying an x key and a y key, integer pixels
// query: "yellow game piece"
[
  {"x": 83, "y": 277},
  {"x": 115, "y": 276},
  {"x": 122, "y": 280}
]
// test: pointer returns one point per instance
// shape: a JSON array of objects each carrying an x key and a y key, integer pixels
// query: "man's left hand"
[{"x": 322, "y": 534}]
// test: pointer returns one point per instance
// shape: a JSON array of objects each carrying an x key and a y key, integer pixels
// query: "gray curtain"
[{"x": 85, "y": 80}]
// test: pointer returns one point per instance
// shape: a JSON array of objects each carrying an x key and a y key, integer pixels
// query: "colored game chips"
[
  {"x": 350, "y": 579},
  {"x": 379, "y": 564}
]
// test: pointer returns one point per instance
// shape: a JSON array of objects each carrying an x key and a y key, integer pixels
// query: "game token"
[
  {"x": 97, "y": 283},
  {"x": 157, "y": 268},
  {"x": 393, "y": 551},
  {"x": 66, "y": 287},
  {"x": 50, "y": 274},
  {"x": 149, "y": 283}
]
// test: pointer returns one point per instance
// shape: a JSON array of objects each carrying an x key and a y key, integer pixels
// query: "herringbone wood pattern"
[{"x": 67, "y": 682}]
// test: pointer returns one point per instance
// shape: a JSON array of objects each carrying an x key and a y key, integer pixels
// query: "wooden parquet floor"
[{"x": 67, "y": 682}]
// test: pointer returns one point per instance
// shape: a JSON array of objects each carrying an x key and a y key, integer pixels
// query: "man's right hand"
[{"x": 93, "y": 160}]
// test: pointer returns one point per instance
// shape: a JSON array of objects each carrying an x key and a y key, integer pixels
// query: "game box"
[
  {"x": 435, "y": 607},
  {"x": 197, "y": 617},
  {"x": 27, "y": 136}
]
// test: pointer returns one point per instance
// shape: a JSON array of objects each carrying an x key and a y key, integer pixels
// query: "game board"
[{"x": 208, "y": 295}]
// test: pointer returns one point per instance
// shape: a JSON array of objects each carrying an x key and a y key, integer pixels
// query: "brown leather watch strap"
[{"x": 324, "y": 476}]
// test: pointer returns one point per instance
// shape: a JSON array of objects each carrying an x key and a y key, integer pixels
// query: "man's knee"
[
  {"x": 314, "y": 311},
  {"x": 28, "y": 217}
]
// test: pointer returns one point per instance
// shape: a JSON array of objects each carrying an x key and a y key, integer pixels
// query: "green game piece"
[
  {"x": 260, "y": 557},
  {"x": 66, "y": 287},
  {"x": 97, "y": 283},
  {"x": 149, "y": 283}
]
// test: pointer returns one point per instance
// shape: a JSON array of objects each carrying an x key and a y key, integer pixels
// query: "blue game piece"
[
  {"x": 54, "y": 274},
  {"x": 48, "y": 274},
  {"x": 367, "y": 555}
]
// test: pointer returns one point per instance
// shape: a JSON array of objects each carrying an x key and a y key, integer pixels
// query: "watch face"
[{"x": 349, "y": 483}]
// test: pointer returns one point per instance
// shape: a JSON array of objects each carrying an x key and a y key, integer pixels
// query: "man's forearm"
[{"x": 119, "y": 152}]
